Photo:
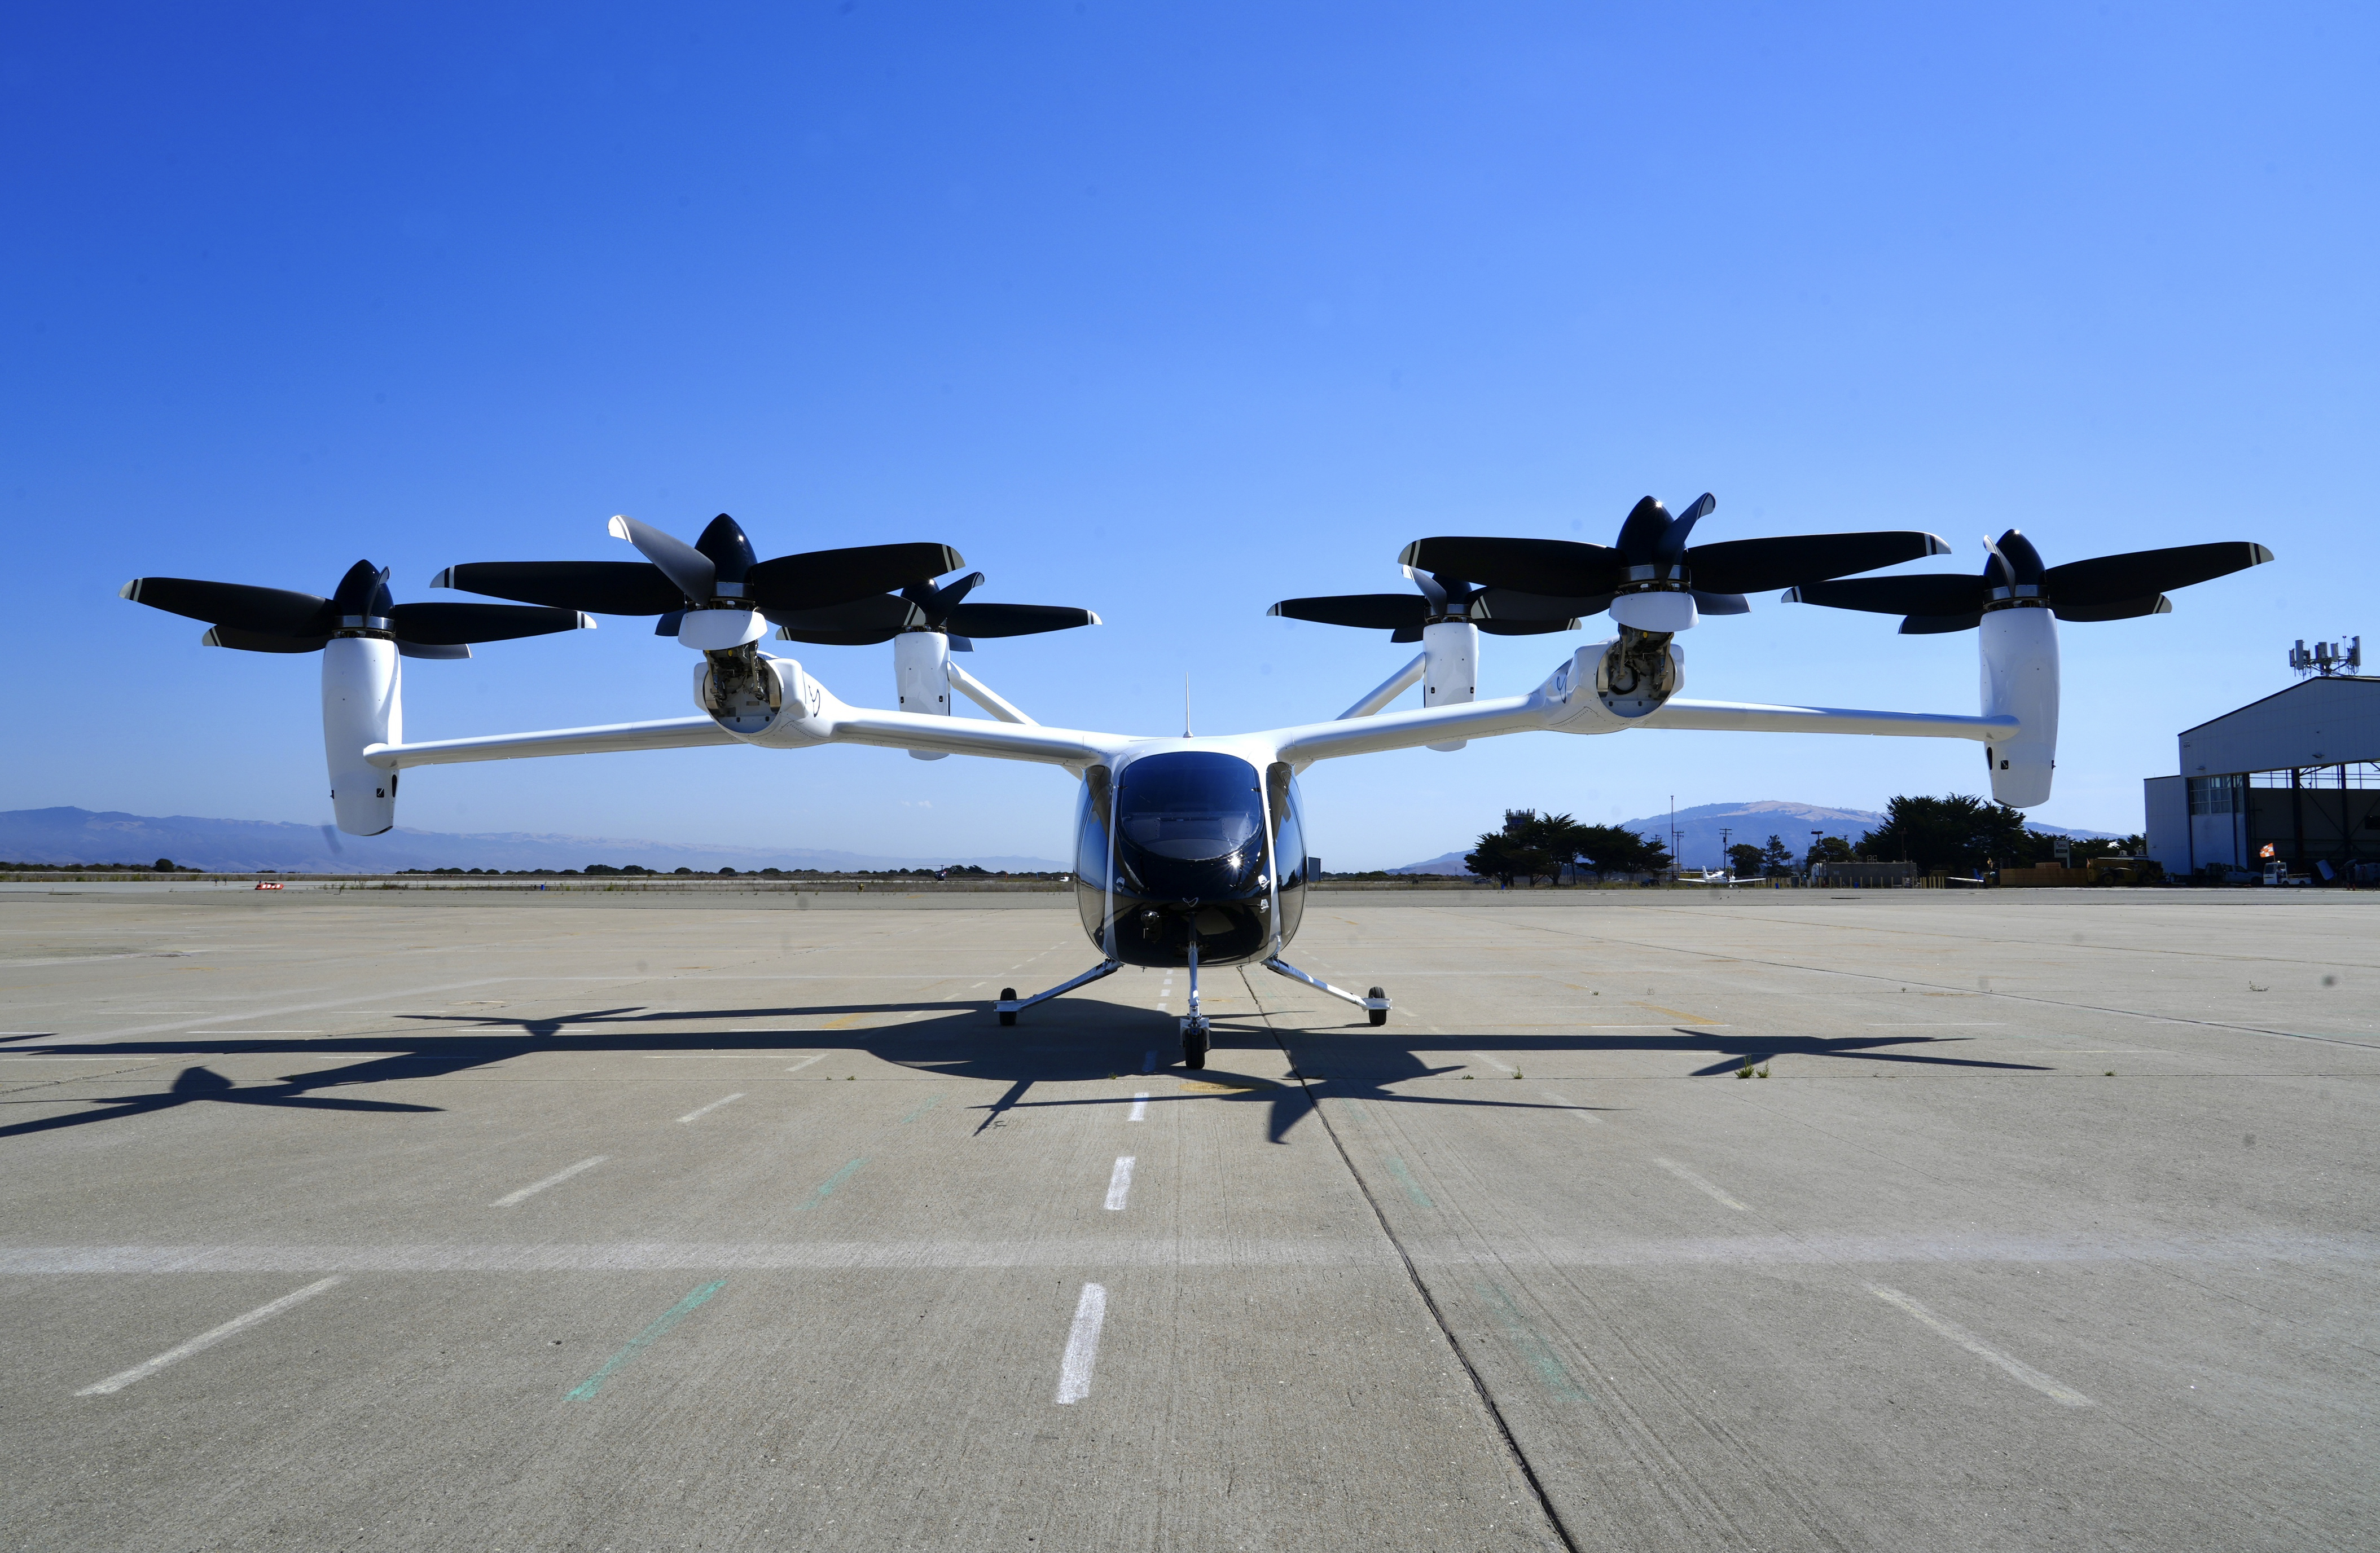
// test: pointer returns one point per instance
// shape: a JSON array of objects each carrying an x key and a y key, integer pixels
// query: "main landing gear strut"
[
  {"x": 1375, "y": 1006},
  {"x": 1011, "y": 1006},
  {"x": 1196, "y": 1028}
]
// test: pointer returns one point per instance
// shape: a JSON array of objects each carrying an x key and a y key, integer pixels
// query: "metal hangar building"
[{"x": 2298, "y": 772}]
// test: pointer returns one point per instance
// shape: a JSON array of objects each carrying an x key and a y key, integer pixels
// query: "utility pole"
[{"x": 1726, "y": 858}]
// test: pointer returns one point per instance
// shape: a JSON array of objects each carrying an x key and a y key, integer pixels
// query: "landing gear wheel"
[
  {"x": 1194, "y": 1044},
  {"x": 1378, "y": 1016},
  {"x": 1008, "y": 995}
]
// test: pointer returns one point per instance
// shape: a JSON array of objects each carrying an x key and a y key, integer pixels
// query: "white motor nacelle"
[
  {"x": 2019, "y": 650},
  {"x": 1449, "y": 674},
  {"x": 921, "y": 677},
  {"x": 362, "y": 685}
]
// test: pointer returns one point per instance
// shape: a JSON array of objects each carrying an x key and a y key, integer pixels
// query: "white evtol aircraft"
[{"x": 1190, "y": 850}]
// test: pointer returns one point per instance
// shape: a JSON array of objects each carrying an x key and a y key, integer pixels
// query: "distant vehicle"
[
  {"x": 267, "y": 884},
  {"x": 1190, "y": 849}
]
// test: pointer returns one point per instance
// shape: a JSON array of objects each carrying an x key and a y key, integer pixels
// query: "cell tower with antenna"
[{"x": 2327, "y": 660}]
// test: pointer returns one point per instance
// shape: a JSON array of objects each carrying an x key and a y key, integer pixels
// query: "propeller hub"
[
  {"x": 1642, "y": 577},
  {"x": 364, "y": 623}
]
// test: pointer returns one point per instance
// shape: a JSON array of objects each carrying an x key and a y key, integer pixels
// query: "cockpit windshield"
[{"x": 1191, "y": 807}]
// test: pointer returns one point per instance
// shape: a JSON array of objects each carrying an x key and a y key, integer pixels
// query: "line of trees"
[
  {"x": 1963, "y": 834},
  {"x": 1956, "y": 834},
  {"x": 1533, "y": 846}
]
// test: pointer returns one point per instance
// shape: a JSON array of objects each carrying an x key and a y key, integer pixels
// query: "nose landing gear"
[{"x": 1194, "y": 1024}]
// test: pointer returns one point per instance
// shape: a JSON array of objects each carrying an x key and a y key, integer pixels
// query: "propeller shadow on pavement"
[
  {"x": 1065, "y": 1041},
  {"x": 201, "y": 1084}
]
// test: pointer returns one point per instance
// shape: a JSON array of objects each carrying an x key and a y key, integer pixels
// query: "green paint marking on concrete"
[
  {"x": 827, "y": 1190},
  {"x": 1405, "y": 1180},
  {"x": 1534, "y": 1347},
  {"x": 921, "y": 1110},
  {"x": 644, "y": 1340}
]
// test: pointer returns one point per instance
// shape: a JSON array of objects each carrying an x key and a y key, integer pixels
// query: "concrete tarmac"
[{"x": 2042, "y": 1218}]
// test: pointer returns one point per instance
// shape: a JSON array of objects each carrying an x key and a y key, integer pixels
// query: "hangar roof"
[{"x": 2324, "y": 722}]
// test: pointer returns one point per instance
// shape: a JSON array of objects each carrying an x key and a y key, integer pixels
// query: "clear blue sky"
[{"x": 1168, "y": 311}]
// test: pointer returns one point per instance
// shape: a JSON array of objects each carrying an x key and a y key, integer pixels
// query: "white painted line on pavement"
[
  {"x": 1148, "y": 1063},
  {"x": 1981, "y": 1349},
  {"x": 556, "y": 1178},
  {"x": 1082, "y": 1345},
  {"x": 1565, "y": 1100},
  {"x": 1500, "y": 1067},
  {"x": 813, "y": 1057},
  {"x": 1140, "y": 1107},
  {"x": 208, "y": 1340},
  {"x": 705, "y": 1110},
  {"x": 1691, "y": 1179},
  {"x": 1120, "y": 1182}
]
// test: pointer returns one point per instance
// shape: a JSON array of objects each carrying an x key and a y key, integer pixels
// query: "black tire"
[
  {"x": 1378, "y": 1016},
  {"x": 1008, "y": 995},
  {"x": 1194, "y": 1049}
]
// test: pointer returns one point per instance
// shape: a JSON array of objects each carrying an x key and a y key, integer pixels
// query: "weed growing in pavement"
[
  {"x": 1763, "y": 1073},
  {"x": 1743, "y": 1071}
]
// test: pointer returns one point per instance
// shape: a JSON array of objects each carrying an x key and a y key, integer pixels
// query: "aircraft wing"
[
  {"x": 1750, "y": 717},
  {"x": 675, "y": 732}
]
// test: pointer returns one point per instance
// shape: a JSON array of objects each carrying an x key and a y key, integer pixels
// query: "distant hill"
[
  {"x": 1699, "y": 845},
  {"x": 74, "y": 835}
]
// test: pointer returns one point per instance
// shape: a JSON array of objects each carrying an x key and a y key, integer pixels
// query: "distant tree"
[
  {"x": 1955, "y": 834},
  {"x": 1826, "y": 849},
  {"x": 1504, "y": 855},
  {"x": 1614, "y": 849},
  {"x": 164, "y": 865},
  {"x": 1777, "y": 858},
  {"x": 1533, "y": 846},
  {"x": 1747, "y": 860}
]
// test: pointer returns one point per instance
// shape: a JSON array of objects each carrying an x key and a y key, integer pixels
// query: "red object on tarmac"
[{"x": 267, "y": 884}]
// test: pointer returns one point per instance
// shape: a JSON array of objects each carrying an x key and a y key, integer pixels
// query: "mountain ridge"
[{"x": 78, "y": 835}]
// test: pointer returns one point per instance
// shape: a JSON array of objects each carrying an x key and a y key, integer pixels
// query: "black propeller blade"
[
  {"x": 927, "y": 607},
  {"x": 2106, "y": 588},
  {"x": 1504, "y": 604},
  {"x": 857, "y": 623},
  {"x": 2144, "y": 574},
  {"x": 276, "y": 619},
  {"x": 1569, "y": 569},
  {"x": 676, "y": 576},
  {"x": 1443, "y": 595},
  {"x": 1366, "y": 612},
  {"x": 1934, "y": 595},
  {"x": 1757, "y": 565},
  {"x": 599, "y": 586},
  {"x": 1560, "y": 567}
]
